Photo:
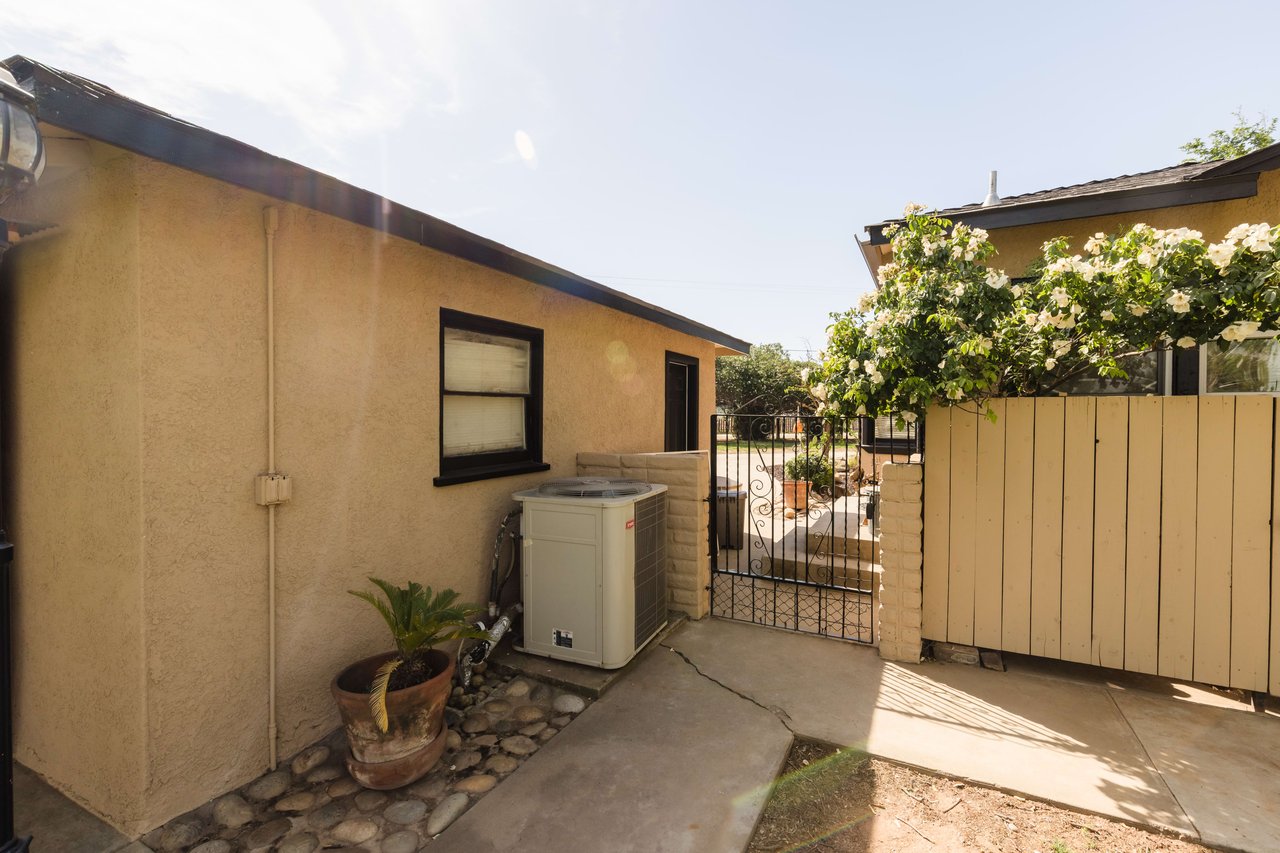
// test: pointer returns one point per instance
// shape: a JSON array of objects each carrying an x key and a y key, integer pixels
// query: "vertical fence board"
[
  {"x": 1077, "y": 529},
  {"x": 1019, "y": 415},
  {"x": 1142, "y": 545},
  {"x": 1046, "y": 529},
  {"x": 989, "y": 547},
  {"x": 1178, "y": 537},
  {"x": 1274, "y": 677},
  {"x": 1111, "y": 478},
  {"x": 964, "y": 492},
  {"x": 1211, "y": 660},
  {"x": 1250, "y": 544},
  {"x": 937, "y": 514}
]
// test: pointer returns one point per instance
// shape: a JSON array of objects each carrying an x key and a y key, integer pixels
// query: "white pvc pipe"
[{"x": 270, "y": 223}]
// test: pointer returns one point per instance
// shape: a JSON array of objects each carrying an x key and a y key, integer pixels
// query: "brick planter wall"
[
  {"x": 687, "y": 477},
  {"x": 901, "y": 540}
]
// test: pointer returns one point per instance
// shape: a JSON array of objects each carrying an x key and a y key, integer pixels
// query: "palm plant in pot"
[{"x": 392, "y": 704}]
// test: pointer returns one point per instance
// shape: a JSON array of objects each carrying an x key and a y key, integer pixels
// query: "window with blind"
[{"x": 490, "y": 398}]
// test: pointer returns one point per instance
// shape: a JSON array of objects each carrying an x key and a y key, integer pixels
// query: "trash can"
[{"x": 731, "y": 517}]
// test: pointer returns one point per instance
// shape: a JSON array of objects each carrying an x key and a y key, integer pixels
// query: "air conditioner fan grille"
[{"x": 592, "y": 487}]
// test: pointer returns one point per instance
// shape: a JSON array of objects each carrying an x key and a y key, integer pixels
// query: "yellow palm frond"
[{"x": 378, "y": 692}]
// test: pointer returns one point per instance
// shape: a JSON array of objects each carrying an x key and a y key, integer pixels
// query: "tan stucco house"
[
  {"x": 184, "y": 314},
  {"x": 1209, "y": 197}
]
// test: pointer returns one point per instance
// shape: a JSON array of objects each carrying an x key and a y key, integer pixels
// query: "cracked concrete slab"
[
  {"x": 666, "y": 760},
  {"x": 1223, "y": 765},
  {"x": 1059, "y": 741}
]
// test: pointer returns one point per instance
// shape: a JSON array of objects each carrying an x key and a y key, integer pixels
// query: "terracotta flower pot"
[
  {"x": 414, "y": 739},
  {"x": 795, "y": 494}
]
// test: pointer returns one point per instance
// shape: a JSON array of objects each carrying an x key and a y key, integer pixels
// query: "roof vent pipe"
[{"x": 992, "y": 198}]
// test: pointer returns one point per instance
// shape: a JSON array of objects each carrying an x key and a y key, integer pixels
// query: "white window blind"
[
  {"x": 475, "y": 361},
  {"x": 483, "y": 425}
]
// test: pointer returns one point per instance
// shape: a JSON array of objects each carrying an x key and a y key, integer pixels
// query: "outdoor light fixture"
[
  {"x": 21, "y": 148},
  {"x": 21, "y": 162}
]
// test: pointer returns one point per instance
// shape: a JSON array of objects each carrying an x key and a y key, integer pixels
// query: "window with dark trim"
[{"x": 490, "y": 398}]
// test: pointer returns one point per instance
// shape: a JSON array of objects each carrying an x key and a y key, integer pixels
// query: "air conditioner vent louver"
[{"x": 592, "y": 487}]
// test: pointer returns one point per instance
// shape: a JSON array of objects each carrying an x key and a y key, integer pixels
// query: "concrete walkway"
[{"x": 677, "y": 756}]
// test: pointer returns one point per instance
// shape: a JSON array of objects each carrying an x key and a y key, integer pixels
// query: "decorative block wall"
[
  {"x": 901, "y": 559},
  {"x": 687, "y": 476}
]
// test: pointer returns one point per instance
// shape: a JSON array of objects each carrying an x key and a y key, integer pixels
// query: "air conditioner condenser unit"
[{"x": 593, "y": 568}]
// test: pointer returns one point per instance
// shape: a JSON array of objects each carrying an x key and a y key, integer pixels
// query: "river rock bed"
[{"x": 310, "y": 803}]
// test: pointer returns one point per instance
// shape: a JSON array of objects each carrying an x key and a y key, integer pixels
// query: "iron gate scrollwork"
[{"x": 794, "y": 531}]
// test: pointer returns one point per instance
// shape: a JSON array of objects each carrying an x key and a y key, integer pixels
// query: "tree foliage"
[
  {"x": 766, "y": 381},
  {"x": 945, "y": 328},
  {"x": 1246, "y": 136}
]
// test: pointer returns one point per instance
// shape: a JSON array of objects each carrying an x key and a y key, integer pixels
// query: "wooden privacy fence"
[{"x": 1128, "y": 532}]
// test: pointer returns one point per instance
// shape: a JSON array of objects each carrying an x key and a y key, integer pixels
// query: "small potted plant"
[
  {"x": 392, "y": 704},
  {"x": 800, "y": 475}
]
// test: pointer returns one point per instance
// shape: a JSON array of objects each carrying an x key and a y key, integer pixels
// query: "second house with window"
[
  {"x": 184, "y": 314},
  {"x": 1211, "y": 198}
]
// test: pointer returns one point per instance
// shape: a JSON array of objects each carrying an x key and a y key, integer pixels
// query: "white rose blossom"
[
  {"x": 804, "y": 375},
  {"x": 1095, "y": 244},
  {"x": 1259, "y": 238},
  {"x": 1220, "y": 254},
  {"x": 1179, "y": 302},
  {"x": 909, "y": 417},
  {"x": 1060, "y": 297},
  {"x": 1050, "y": 363},
  {"x": 913, "y": 208},
  {"x": 996, "y": 279},
  {"x": 1186, "y": 342},
  {"x": 886, "y": 272},
  {"x": 853, "y": 365},
  {"x": 1138, "y": 310},
  {"x": 1107, "y": 315},
  {"x": 1240, "y": 330}
]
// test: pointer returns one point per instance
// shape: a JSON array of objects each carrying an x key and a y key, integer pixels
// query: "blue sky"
[{"x": 716, "y": 158}]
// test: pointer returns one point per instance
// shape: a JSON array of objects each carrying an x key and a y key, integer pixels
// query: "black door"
[{"x": 682, "y": 403}]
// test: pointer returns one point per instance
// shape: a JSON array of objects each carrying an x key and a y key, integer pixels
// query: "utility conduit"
[{"x": 271, "y": 223}]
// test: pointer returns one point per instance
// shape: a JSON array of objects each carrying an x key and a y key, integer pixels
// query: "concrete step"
[
  {"x": 844, "y": 534},
  {"x": 793, "y": 558}
]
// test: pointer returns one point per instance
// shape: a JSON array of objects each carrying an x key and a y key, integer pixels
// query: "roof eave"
[
  {"x": 1175, "y": 194},
  {"x": 118, "y": 121},
  {"x": 1262, "y": 160}
]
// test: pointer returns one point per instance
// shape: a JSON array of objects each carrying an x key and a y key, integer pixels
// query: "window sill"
[{"x": 490, "y": 472}]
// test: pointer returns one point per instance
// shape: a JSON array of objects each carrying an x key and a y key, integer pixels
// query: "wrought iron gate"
[{"x": 794, "y": 534}]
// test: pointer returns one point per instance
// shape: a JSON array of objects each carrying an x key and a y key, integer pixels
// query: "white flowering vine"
[{"x": 944, "y": 327}]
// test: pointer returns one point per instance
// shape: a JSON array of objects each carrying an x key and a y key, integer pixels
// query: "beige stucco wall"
[
  {"x": 73, "y": 492},
  {"x": 1019, "y": 247},
  {"x": 357, "y": 402}
]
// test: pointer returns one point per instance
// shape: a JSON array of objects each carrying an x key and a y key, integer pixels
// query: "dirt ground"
[{"x": 843, "y": 801}]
